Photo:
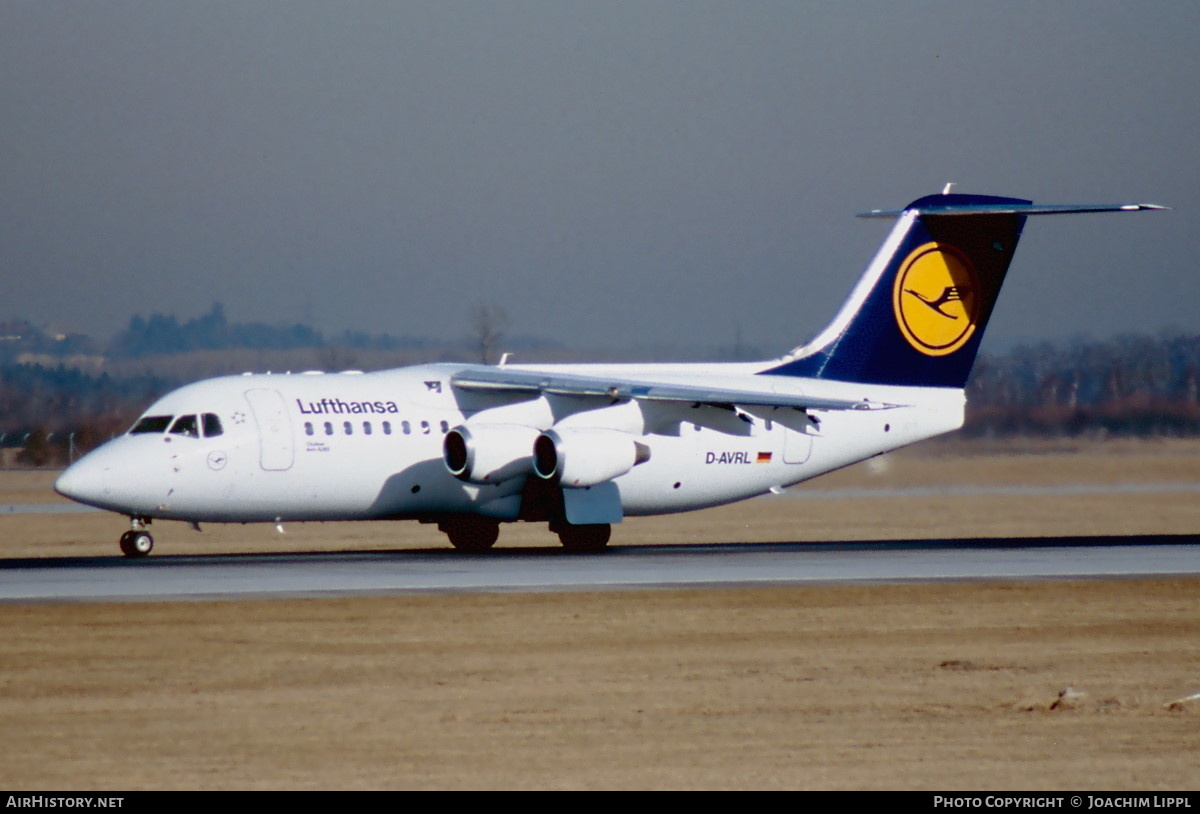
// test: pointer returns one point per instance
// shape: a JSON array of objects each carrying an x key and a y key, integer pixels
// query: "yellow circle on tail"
[{"x": 936, "y": 299}]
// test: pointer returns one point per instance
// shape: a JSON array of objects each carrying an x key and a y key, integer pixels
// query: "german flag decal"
[{"x": 764, "y": 458}]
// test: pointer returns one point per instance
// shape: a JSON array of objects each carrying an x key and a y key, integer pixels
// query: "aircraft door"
[
  {"x": 275, "y": 446},
  {"x": 797, "y": 428},
  {"x": 797, "y": 446}
]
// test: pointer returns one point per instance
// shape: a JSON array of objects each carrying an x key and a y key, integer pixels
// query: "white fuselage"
[{"x": 356, "y": 446}]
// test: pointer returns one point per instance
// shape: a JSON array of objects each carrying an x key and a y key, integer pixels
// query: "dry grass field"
[{"x": 906, "y": 686}]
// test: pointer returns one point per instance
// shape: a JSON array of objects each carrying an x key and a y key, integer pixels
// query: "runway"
[{"x": 161, "y": 578}]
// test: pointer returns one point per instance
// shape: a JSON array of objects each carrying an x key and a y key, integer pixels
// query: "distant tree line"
[
  {"x": 18, "y": 336},
  {"x": 161, "y": 334},
  {"x": 48, "y": 414},
  {"x": 1130, "y": 385},
  {"x": 167, "y": 335}
]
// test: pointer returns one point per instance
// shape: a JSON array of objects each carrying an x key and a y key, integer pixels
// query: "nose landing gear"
[{"x": 137, "y": 542}]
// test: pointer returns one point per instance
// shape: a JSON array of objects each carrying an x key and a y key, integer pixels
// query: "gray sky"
[{"x": 612, "y": 173}]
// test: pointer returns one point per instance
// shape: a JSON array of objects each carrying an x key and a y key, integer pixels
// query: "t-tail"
[{"x": 917, "y": 316}]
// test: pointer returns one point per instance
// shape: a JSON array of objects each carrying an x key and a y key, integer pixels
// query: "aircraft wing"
[{"x": 536, "y": 382}]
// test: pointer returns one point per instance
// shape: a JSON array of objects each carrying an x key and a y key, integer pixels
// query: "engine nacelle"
[
  {"x": 585, "y": 457},
  {"x": 489, "y": 453}
]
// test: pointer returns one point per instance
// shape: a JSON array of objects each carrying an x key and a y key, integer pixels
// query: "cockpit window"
[
  {"x": 151, "y": 423},
  {"x": 186, "y": 425},
  {"x": 212, "y": 425}
]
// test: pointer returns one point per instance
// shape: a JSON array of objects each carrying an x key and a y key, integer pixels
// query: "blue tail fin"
[{"x": 918, "y": 314}]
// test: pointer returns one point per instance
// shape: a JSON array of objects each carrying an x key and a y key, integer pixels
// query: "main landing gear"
[
  {"x": 137, "y": 542},
  {"x": 476, "y": 534},
  {"x": 469, "y": 533},
  {"x": 583, "y": 539}
]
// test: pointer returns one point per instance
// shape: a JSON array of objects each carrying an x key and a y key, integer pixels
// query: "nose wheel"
[{"x": 136, "y": 543}]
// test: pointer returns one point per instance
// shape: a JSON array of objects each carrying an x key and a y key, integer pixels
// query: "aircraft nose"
[
  {"x": 82, "y": 481},
  {"x": 120, "y": 476},
  {"x": 102, "y": 478}
]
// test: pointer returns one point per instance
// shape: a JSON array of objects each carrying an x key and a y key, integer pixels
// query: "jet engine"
[
  {"x": 585, "y": 457},
  {"x": 489, "y": 453}
]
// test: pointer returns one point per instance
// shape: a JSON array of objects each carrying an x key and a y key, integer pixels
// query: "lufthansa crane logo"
[{"x": 936, "y": 299}]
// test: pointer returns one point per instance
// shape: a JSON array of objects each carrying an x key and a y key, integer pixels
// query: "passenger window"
[
  {"x": 212, "y": 425},
  {"x": 445, "y": 428},
  {"x": 406, "y": 427},
  {"x": 328, "y": 428},
  {"x": 308, "y": 428},
  {"x": 347, "y": 428},
  {"x": 387, "y": 428},
  {"x": 186, "y": 425},
  {"x": 366, "y": 428},
  {"x": 151, "y": 424},
  {"x": 425, "y": 427}
]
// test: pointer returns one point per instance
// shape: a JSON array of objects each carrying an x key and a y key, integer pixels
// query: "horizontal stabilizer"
[{"x": 927, "y": 206}]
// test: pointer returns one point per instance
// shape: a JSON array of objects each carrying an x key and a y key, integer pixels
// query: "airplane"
[{"x": 470, "y": 447}]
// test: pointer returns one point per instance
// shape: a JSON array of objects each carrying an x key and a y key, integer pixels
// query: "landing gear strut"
[{"x": 137, "y": 542}]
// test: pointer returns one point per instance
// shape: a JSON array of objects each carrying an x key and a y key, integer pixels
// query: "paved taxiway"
[{"x": 517, "y": 570}]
